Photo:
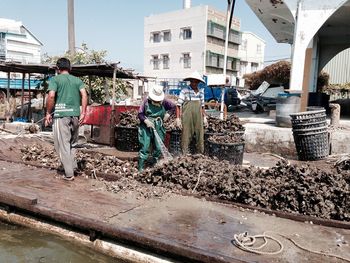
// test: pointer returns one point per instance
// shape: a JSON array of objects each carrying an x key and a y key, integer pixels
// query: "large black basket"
[
  {"x": 312, "y": 145},
  {"x": 175, "y": 143},
  {"x": 127, "y": 139},
  {"x": 232, "y": 152},
  {"x": 207, "y": 135}
]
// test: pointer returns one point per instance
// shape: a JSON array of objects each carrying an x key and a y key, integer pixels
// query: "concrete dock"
[{"x": 175, "y": 228}]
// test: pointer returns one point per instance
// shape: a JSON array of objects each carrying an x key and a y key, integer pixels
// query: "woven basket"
[
  {"x": 312, "y": 146},
  {"x": 232, "y": 152},
  {"x": 127, "y": 139}
]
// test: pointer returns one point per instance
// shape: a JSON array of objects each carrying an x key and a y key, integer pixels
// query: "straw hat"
[
  {"x": 195, "y": 75},
  {"x": 156, "y": 93}
]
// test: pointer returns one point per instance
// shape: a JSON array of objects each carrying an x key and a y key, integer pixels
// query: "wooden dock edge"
[{"x": 109, "y": 248}]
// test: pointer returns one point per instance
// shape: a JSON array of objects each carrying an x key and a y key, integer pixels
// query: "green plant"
[{"x": 96, "y": 85}]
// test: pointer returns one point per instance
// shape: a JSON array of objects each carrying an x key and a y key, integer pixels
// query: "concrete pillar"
[{"x": 309, "y": 16}]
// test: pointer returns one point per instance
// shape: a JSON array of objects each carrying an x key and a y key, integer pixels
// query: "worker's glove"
[
  {"x": 178, "y": 123},
  {"x": 205, "y": 122},
  {"x": 166, "y": 117},
  {"x": 149, "y": 124}
]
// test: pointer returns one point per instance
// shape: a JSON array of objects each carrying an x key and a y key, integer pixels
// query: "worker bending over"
[
  {"x": 190, "y": 106},
  {"x": 153, "y": 112}
]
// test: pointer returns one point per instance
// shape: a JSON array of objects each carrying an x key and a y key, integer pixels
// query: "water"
[
  {"x": 166, "y": 155},
  {"x": 23, "y": 245}
]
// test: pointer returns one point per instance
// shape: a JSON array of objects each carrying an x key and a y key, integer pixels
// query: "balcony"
[{"x": 218, "y": 31}]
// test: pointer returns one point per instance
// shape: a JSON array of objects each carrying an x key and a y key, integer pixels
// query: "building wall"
[
  {"x": 251, "y": 53},
  {"x": 192, "y": 18},
  {"x": 339, "y": 68},
  {"x": 206, "y": 46},
  {"x": 18, "y": 43}
]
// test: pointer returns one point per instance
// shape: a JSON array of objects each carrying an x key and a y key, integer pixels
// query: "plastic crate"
[
  {"x": 127, "y": 139},
  {"x": 232, "y": 152},
  {"x": 312, "y": 146}
]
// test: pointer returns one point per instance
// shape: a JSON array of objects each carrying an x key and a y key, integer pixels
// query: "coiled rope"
[{"x": 246, "y": 242}]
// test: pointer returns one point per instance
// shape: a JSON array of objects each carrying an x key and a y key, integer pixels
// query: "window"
[
  {"x": 166, "y": 36},
  {"x": 165, "y": 61},
  {"x": 243, "y": 69},
  {"x": 155, "y": 61},
  {"x": 156, "y": 37},
  {"x": 187, "y": 33},
  {"x": 244, "y": 45},
  {"x": 254, "y": 67},
  {"x": 258, "y": 49},
  {"x": 187, "y": 60}
]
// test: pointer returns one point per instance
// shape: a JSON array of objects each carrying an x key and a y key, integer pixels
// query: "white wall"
[
  {"x": 249, "y": 53},
  {"x": 195, "y": 18},
  {"x": 21, "y": 46}
]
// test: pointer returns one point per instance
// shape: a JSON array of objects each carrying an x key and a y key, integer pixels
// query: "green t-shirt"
[{"x": 67, "y": 88}]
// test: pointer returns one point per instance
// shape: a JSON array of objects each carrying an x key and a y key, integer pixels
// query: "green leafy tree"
[{"x": 101, "y": 88}]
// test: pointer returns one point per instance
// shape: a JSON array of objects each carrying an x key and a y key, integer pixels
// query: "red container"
[{"x": 101, "y": 115}]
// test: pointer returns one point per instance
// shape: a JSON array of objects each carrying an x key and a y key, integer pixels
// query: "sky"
[{"x": 117, "y": 25}]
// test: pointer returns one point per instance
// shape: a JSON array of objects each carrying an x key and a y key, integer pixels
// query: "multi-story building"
[
  {"x": 180, "y": 42},
  {"x": 17, "y": 43},
  {"x": 251, "y": 53}
]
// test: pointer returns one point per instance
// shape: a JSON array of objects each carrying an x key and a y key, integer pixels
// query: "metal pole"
[
  {"x": 71, "y": 32},
  {"x": 112, "y": 135},
  {"x": 225, "y": 59},
  {"x": 30, "y": 100},
  {"x": 8, "y": 86},
  {"x": 22, "y": 93}
]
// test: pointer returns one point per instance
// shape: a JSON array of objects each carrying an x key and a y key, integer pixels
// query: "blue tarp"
[{"x": 17, "y": 83}]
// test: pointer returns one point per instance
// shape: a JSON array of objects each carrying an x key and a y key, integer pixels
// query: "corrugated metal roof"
[{"x": 339, "y": 68}]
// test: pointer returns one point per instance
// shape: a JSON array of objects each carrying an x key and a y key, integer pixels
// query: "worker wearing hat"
[
  {"x": 152, "y": 114},
  {"x": 190, "y": 106}
]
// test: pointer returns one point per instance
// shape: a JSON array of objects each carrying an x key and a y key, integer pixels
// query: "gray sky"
[{"x": 117, "y": 25}]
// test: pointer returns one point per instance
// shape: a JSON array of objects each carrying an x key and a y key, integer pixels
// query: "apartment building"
[
  {"x": 251, "y": 54},
  {"x": 180, "y": 42}
]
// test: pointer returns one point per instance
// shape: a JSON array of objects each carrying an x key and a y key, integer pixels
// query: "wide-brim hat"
[
  {"x": 195, "y": 75},
  {"x": 156, "y": 93}
]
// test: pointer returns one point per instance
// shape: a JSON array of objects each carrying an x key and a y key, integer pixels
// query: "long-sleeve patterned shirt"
[
  {"x": 188, "y": 94},
  {"x": 167, "y": 104}
]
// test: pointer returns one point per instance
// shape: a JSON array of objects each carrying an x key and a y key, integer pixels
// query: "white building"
[
  {"x": 251, "y": 53},
  {"x": 18, "y": 44},
  {"x": 180, "y": 42}
]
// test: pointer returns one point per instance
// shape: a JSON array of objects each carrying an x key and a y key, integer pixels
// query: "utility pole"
[
  {"x": 229, "y": 16},
  {"x": 71, "y": 32}
]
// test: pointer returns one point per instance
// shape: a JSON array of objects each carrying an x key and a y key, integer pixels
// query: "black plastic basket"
[
  {"x": 207, "y": 135},
  {"x": 127, "y": 139},
  {"x": 232, "y": 152},
  {"x": 309, "y": 120},
  {"x": 312, "y": 145},
  {"x": 175, "y": 143},
  {"x": 310, "y": 130},
  {"x": 308, "y": 115}
]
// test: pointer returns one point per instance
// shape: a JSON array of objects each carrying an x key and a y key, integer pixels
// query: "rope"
[{"x": 247, "y": 242}]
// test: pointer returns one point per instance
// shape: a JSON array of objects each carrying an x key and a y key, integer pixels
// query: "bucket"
[
  {"x": 286, "y": 104},
  {"x": 232, "y": 152},
  {"x": 126, "y": 139}
]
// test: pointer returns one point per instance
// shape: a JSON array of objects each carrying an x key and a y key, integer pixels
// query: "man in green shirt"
[{"x": 66, "y": 94}]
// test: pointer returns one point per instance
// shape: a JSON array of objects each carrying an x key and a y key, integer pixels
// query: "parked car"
[{"x": 264, "y": 98}]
